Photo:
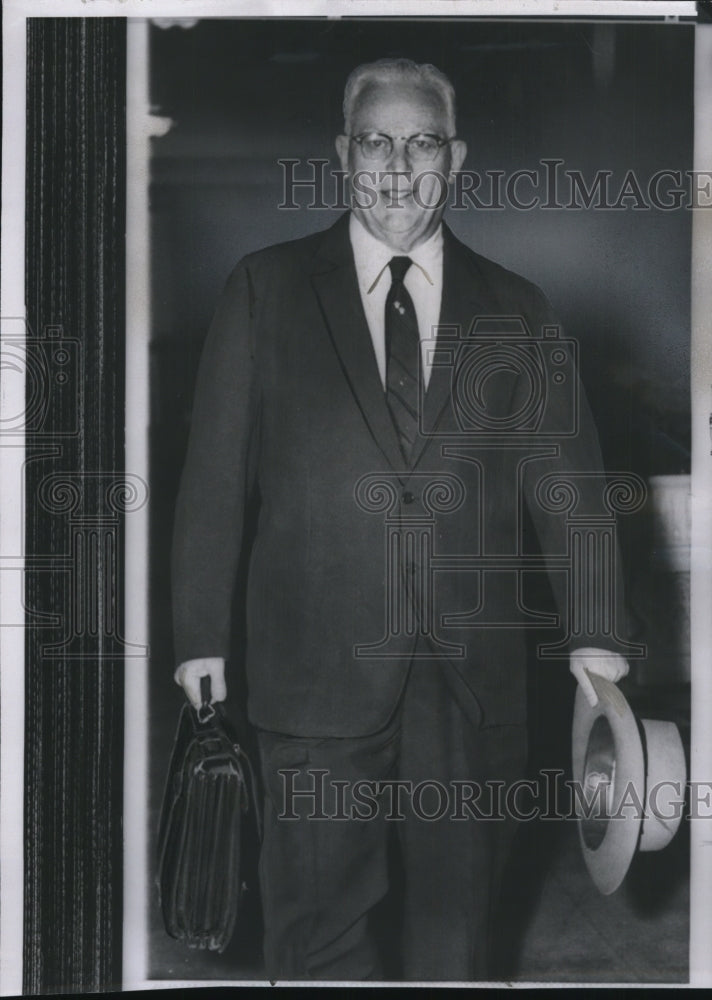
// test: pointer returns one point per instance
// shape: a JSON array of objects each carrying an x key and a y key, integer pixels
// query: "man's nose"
[{"x": 399, "y": 160}]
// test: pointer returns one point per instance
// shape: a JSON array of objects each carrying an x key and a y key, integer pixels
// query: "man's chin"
[
  {"x": 400, "y": 220},
  {"x": 396, "y": 227}
]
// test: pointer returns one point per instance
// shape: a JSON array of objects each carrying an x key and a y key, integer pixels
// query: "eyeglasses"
[{"x": 421, "y": 148}]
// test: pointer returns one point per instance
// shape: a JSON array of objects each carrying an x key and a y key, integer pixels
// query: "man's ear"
[
  {"x": 342, "y": 149},
  {"x": 458, "y": 152}
]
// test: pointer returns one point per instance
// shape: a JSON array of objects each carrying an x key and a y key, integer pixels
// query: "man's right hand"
[{"x": 188, "y": 676}]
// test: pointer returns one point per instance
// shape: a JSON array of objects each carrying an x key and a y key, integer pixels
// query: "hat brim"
[{"x": 607, "y": 746}]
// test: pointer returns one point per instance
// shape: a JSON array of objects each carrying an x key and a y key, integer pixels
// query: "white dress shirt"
[{"x": 424, "y": 281}]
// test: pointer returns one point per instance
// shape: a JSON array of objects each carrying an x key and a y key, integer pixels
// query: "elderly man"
[{"x": 329, "y": 389}]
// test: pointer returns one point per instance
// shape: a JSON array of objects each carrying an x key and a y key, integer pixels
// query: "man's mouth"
[{"x": 394, "y": 198}]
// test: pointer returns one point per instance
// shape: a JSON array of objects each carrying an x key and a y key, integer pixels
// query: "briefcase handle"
[{"x": 206, "y": 711}]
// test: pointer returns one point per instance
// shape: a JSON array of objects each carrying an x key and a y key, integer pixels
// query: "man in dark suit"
[{"x": 364, "y": 382}]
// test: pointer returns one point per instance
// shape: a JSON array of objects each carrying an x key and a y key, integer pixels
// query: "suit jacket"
[{"x": 289, "y": 402}]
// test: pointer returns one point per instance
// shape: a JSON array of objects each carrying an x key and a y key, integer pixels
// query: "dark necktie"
[{"x": 402, "y": 350}]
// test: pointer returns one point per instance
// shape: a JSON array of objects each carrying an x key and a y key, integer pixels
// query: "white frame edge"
[
  {"x": 12, "y": 517},
  {"x": 136, "y": 596},
  {"x": 701, "y": 532},
  {"x": 12, "y": 305}
]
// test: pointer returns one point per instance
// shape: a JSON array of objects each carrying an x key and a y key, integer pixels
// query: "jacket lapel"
[
  {"x": 465, "y": 296},
  {"x": 336, "y": 287}
]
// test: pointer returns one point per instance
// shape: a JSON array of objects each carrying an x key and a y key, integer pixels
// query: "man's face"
[{"x": 400, "y": 199}]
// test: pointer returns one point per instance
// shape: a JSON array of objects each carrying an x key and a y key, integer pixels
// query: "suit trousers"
[{"x": 428, "y": 781}]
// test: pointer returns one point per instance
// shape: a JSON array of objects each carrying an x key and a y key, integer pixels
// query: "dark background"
[{"x": 245, "y": 93}]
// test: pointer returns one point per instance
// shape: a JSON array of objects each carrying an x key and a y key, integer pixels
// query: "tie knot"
[{"x": 399, "y": 267}]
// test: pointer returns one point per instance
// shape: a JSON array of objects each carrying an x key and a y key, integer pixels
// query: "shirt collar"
[{"x": 372, "y": 256}]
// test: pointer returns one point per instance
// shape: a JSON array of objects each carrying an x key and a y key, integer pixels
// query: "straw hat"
[{"x": 629, "y": 778}]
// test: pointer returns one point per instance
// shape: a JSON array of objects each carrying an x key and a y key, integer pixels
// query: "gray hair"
[{"x": 390, "y": 70}]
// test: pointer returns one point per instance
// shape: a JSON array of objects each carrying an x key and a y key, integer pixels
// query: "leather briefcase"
[{"x": 210, "y": 795}]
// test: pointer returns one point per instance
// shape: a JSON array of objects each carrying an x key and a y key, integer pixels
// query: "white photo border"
[{"x": 140, "y": 124}]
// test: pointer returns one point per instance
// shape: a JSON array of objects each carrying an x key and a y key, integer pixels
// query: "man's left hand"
[{"x": 603, "y": 662}]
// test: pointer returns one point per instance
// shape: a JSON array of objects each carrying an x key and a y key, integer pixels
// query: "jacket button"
[{"x": 408, "y": 497}]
